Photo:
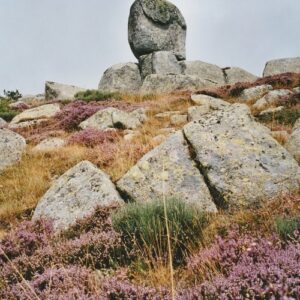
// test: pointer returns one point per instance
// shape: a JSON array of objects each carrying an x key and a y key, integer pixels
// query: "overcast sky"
[{"x": 74, "y": 41}]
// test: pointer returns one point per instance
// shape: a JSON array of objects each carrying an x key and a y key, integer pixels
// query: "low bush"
[
  {"x": 284, "y": 117},
  {"x": 95, "y": 95},
  {"x": 6, "y": 112},
  {"x": 143, "y": 227},
  {"x": 286, "y": 228},
  {"x": 92, "y": 137}
]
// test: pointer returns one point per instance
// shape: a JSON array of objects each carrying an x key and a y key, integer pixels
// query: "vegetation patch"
[{"x": 96, "y": 95}]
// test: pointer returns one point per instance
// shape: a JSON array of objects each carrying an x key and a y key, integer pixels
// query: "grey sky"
[{"x": 74, "y": 41}]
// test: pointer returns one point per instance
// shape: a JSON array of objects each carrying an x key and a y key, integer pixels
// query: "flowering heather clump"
[
  {"x": 250, "y": 269},
  {"x": 91, "y": 137}
]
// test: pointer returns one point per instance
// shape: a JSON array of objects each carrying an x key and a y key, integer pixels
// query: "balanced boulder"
[
  {"x": 75, "y": 195},
  {"x": 12, "y": 146},
  {"x": 167, "y": 171},
  {"x": 241, "y": 162},
  {"x": 234, "y": 75},
  {"x": 156, "y": 25}
]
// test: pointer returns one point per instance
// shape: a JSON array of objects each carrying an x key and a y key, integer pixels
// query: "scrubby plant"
[
  {"x": 96, "y": 95},
  {"x": 92, "y": 137},
  {"x": 284, "y": 117},
  {"x": 6, "y": 112},
  {"x": 249, "y": 268},
  {"x": 287, "y": 227},
  {"x": 142, "y": 227},
  {"x": 12, "y": 95}
]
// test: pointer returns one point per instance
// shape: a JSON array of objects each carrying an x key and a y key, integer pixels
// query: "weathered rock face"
[
  {"x": 12, "y": 146},
  {"x": 272, "y": 98},
  {"x": 50, "y": 144},
  {"x": 2, "y": 123},
  {"x": 75, "y": 195},
  {"x": 167, "y": 171},
  {"x": 255, "y": 93},
  {"x": 115, "y": 118},
  {"x": 293, "y": 144},
  {"x": 241, "y": 162},
  {"x": 121, "y": 78},
  {"x": 204, "y": 70},
  {"x": 59, "y": 91},
  {"x": 168, "y": 83},
  {"x": 211, "y": 102},
  {"x": 278, "y": 66},
  {"x": 156, "y": 25},
  {"x": 161, "y": 62},
  {"x": 235, "y": 75},
  {"x": 40, "y": 112}
]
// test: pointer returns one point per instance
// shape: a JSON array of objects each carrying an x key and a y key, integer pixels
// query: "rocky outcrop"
[
  {"x": 210, "y": 102},
  {"x": 235, "y": 75},
  {"x": 12, "y": 146},
  {"x": 115, "y": 118},
  {"x": 75, "y": 195},
  {"x": 40, "y": 112},
  {"x": 242, "y": 164},
  {"x": 50, "y": 144},
  {"x": 2, "y": 123},
  {"x": 161, "y": 63},
  {"x": 272, "y": 98},
  {"x": 167, "y": 171},
  {"x": 168, "y": 83},
  {"x": 156, "y": 26},
  {"x": 208, "y": 72},
  {"x": 59, "y": 91},
  {"x": 278, "y": 66},
  {"x": 254, "y": 93},
  {"x": 121, "y": 78},
  {"x": 293, "y": 142}
]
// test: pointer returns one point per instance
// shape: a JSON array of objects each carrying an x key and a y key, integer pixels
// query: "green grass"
[
  {"x": 284, "y": 117},
  {"x": 95, "y": 95},
  {"x": 143, "y": 228},
  {"x": 286, "y": 227}
]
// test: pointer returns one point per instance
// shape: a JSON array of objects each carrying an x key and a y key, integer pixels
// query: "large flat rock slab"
[
  {"x": 283, "y": 65},
  {"x": 241, "y": 162},
  {"x": 12, "y": 146},
  {"x": 60, "y": 91},
  {"x": 167, "y": 171},
  {"x": 75, "y": 195},
  {"x": 40, "y": 112}
]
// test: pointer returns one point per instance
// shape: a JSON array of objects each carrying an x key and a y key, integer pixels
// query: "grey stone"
[
  {"x": 205, "y": 71},
  {"x": 234, "y": 75},
  {"x": 283, "y": 65},
  {"x": 114, "y": 118},
  {"x": 12, "y": 146},
  {"x": 28, "y": 124},
  {"x": 297, "y": 90},
  {"x": 167, "y": 171},
  {"x": 297, "y": 124},
  {"x": 293, "y": 144},
  {"x": 121, "y": 78},
  {"x": 271, "y": 111},
  {"x": 255, "y": 93},
  {"x": 2, "y": 123},
  {"x": 168, "y": 83},
  {"x": 59, "y": 91},
  {"x": 100, "y": 120},
  {"x": 241, "y": 162},
  {"x": 124, "y": 120},
  {"x": 212, "y": 102},
  {"x": 161, "y": 62},
  {"x": 197, "y": 112},
  {"x": 75, "y": 195},
  {"x": 50, "y": 144},
  {"x": 272, "y": 98},
  {"x": 156, "y": 25},
  {"x": 40, "y": 112},
  {"x": 177, "y": 120}
]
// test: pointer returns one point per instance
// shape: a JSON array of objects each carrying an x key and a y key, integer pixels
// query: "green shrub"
[
  {"x": 13, "y": 95},
  {"x": 143, "y": 228},
  {"x": 6, "y": 112},
  {"x": 95, "y": 95},
  {"x": 287, "y": 227}
]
